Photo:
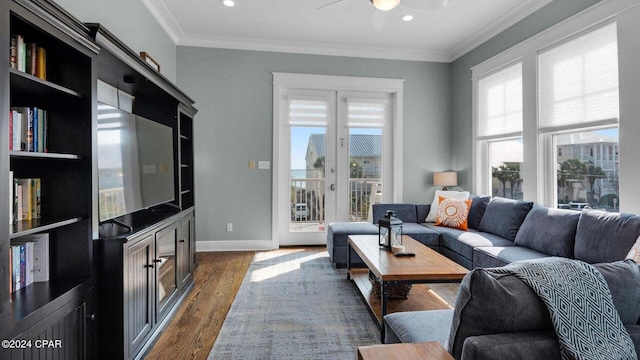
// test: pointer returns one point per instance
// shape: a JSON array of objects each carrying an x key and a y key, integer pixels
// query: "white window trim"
[
  {"x": 285, "y": 81},
  {"x": 536, "y": 178}
]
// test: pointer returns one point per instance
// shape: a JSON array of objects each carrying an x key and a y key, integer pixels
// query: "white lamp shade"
[
  {"x": 445, "y": 178},
  {"x": 385, "y": 5}
]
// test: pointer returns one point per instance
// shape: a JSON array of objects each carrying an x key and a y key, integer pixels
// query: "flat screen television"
[{"x": 135, "y": 163}]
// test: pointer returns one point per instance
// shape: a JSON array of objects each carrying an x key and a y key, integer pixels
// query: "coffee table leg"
[
  {"x": 348, "y": 261},
  {"x": 383, "y": 307}
]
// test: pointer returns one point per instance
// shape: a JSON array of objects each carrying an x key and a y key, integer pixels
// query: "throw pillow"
[
  {"x": 503, "y": 217},
  {"x": 549, "y": 231},
  {"x": 433, "y": 211},
  {"x": 453, "y": 213},
  {"x": 634, "y": 253},
  {"x": 478, "y": 206}
]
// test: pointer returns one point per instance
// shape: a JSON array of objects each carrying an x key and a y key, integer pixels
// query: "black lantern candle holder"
[{"x": 389, "y": 230}]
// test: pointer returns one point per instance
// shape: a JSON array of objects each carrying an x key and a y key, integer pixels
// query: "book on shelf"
[
  {"x": 28, "y": 129},
  {"x": 28, "y": 199},
  {"x": 11, "y": 198},
  {"x": 29, "y": 261},
  {"x": 28, "y": 57}
]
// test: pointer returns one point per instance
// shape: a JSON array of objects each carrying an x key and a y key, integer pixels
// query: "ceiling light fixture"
[
  {"x": 385, "y": 5},
  {"x": 229, "y": 3},
  {"x": 407, "y": 18}
]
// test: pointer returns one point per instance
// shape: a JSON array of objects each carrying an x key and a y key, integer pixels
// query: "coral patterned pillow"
[
  {"x": 453, "y": 213},
  {"x": 634, "y": 253}
]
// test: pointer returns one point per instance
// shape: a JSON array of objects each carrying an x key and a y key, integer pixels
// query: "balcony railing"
[{"x": 308, "y": 199}]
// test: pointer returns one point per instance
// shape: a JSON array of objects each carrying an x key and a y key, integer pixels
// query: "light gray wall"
[
  {"x": 233, "y": 93},
  {"x": 461, "y": 110},
  {"x": 133, "y": 24}
]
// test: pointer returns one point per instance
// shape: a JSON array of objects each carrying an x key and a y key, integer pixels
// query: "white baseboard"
[{"x": 235, "y": 245}]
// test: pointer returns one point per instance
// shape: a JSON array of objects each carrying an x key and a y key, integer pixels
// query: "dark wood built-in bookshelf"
[
  {"x": 67, "y": 198},
  {"x": 95, "y": 270}
]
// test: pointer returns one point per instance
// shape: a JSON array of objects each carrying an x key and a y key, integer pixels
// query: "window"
[
  {"x": 499, "y": 132},
  {"x": 578, "y": 92},
  {"x": 546, "y": 119}
]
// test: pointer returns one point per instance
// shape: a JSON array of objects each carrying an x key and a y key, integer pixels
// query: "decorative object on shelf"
[
  {"x": 445, "y": 179},
  {"x": 389, "y": 230},
  {"x": 149, "y": 60}
]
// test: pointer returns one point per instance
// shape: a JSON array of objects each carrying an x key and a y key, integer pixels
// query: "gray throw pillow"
[
  {"x": 503, "y": 217},
  {"x": 488, "y": 303},
  {"x": 605, "y": 237},
  {"x": 478, "y": 207},
  {"x": 549, "y": 231}
]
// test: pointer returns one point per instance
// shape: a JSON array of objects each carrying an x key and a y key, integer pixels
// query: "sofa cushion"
[
  {"x": 490, "y": 303},
  {"x": 496, "y": 256},
  {"x": 337, "y": 233},
  {"x": 404, "y": 212},
  {"x": 453, "y": 213},
  {"x": 605, "y": 237},
  {"x": 478, "y": 206},
  {"x": 422, "y": 210},
  {"x": 549, "y": 231},
  {"x": 533, "y": 345},
  {"x": 503, "y": 217},
  {"x": 634, "y": 334},
  {"x": 433, "y": 210},
  {"x": 422, "y": 234},
  {"x": 417, "y": 326},
  {"x": 463, "y": 242}
]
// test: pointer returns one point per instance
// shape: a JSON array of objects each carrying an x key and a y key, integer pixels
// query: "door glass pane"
[
  {"x": 505, "y": 159},
  {"x": 308, "y": 154},
  {"x": 587, "y": 169},
  {"x": 365, "y": 171}
]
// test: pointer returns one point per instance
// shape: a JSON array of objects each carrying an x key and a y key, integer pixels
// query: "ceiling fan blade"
[
  {"x": 425, "y": 4},
  {"x": 378, "y": 19},
  {"x": 333, "y": 4}
]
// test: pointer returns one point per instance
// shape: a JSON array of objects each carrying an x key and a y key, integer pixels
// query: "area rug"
[{"x": 293, "y": 304}]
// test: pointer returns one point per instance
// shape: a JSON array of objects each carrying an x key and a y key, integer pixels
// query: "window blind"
[
  {"x": 307, "y": 112},
  {"x": 366, "y": 114},
  {"x": 578, "y": 81},
  {"x": 500, "y": 102}
]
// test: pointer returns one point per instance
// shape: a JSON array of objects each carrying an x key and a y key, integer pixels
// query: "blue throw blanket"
[{"x": 581, "y": 308}]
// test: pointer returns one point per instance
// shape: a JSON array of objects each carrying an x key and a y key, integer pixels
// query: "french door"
[{"x": 335, "y": 158}]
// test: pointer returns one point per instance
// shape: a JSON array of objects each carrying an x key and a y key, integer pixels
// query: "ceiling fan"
[{"x": 382, "y": 7}]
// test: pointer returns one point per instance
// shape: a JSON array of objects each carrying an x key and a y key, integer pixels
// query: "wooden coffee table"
[
  {"x": 426, "y": 350},
  {"x": 428, "y": 266}
]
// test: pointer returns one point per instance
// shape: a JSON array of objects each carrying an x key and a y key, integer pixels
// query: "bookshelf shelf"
[
  {"x": 37, "y": 86},
  {"x": 28, "y": 227},
  {"x": 39, "y": 155}
]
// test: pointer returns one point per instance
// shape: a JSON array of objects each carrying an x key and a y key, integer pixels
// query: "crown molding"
[
  {"x": 162, "y": 15},
  {"x": 501, "y": 24},
  {"x": 315, "y": 49}
]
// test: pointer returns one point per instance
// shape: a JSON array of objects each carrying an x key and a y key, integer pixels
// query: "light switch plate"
[{"x": 264, "y": 165}]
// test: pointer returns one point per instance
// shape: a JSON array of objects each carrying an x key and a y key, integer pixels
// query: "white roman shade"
[
  {"x": 362, "y": 113},
  {"x": 578, "y": 81},
  {"x": 308, "y": 112},
  {"x": 500, "y": 103}
]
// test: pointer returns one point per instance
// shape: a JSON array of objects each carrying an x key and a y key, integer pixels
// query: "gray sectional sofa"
[
  {"x": 502, "y": 231},
  {"x": 499, "y": 317}
]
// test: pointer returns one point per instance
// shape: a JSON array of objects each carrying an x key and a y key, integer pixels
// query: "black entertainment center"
[{"x": 116, "y": 203}]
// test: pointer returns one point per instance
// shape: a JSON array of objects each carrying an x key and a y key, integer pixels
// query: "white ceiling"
[{"x": 345, "y": 29}]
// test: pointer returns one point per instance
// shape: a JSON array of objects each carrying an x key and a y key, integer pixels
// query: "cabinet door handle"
[
  {"x": 157, "y": 260},
  {"x": 181, "y": 240},
  {"x": 148, "y": 266}
]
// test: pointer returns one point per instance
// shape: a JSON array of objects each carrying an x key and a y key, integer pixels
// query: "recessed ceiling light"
[
  {"x": 407, "y": 18},
  {"x": 229, "y": 3}
]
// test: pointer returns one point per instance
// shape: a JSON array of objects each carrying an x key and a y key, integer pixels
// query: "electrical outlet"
[{"x": 229, "y": 226}]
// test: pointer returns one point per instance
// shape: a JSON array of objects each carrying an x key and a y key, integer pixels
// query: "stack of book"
[
  {"x": 28, "y": 261},
  {"x": 28, "y": 57},
  {"x": 28, "y": 129},
  {"x": 26, "y": 199}
]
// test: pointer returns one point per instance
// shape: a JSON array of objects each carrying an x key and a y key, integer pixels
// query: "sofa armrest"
[{"x": 517, "y": 346}]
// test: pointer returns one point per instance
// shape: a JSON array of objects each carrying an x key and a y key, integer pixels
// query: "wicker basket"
[{"x": 400, "y": 291}]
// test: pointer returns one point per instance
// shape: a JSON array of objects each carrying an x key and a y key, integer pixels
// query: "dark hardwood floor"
[{"x": 195, "y": 327}]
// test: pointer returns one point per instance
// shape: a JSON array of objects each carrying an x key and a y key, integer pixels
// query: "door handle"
[{"x": 332, "y": 187}]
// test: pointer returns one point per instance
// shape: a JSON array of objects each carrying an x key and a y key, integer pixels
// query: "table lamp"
[{"x": 445, "y": 178}]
